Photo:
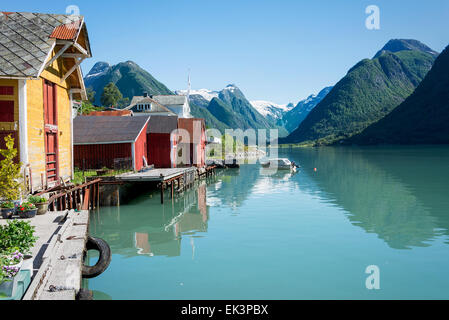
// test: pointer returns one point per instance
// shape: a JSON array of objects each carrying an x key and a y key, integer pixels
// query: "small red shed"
[
  {"x": 161, "y": 148},
  {"x": 110, "y": 141},
  {"x": 191, "y": 138}
]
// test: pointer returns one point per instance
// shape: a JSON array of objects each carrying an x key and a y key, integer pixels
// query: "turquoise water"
[{"x": 251, "y": 234}]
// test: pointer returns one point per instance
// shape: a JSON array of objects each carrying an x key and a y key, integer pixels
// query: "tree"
[
  {"x": 90, "y": 95},
  {"x": 87, "y": 107},
  {"x": 123, "y": 103},
  {"x": 9, "y": 172},
  {"x": 111, "y": 95}
]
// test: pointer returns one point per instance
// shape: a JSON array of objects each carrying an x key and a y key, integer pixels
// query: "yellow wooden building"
[{"x": 40, "y": 80}]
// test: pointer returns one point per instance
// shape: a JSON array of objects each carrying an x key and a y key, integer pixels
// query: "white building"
[{"x": 160, "y": 105}]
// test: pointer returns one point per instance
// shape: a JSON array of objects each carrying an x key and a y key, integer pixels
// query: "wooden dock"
[
  {"x": 155, "y": 175},
  {"x": 175, "y": 179}
]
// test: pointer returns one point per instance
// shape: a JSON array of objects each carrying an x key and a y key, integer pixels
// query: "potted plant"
[
  {"x": 7, "y": 209},
  {"x": 17, "y": 234},
  {"x": 10, "y": 264},
  {"x": 41, "y": 204},
  {"x": 27, "y": 210}
]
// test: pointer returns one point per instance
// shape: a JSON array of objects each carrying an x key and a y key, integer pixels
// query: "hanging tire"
[{"x": 104, "y": 260}]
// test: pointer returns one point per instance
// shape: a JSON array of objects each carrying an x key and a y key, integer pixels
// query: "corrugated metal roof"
[
  {"x": 25, "y": 41},
  {"x": 100, "y": 130},
  {"x": 162, "y": 124}
]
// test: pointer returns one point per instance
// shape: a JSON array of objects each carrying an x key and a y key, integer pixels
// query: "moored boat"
[{"x": 281, "y": 164}]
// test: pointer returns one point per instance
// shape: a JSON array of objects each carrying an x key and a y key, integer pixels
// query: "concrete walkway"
[
  {"x": 57, "y": 255},
  {"x": 45, "y": 227}
]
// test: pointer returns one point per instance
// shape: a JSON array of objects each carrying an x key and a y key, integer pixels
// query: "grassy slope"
[
  {"x": 369, "y": 91},
  {"x": 421, "y": 118},
  {"x": 131, "y": 81},
  {"x": 211, "y": 121}
]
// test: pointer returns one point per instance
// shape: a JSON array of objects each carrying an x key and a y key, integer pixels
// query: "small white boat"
[{"x": 280, "y": 164}]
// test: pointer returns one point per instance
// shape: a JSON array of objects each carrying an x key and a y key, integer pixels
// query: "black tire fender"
[{"x": 89, "y": 272}]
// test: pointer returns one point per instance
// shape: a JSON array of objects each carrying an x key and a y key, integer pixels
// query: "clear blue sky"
[{"x": 279, "y": 51}]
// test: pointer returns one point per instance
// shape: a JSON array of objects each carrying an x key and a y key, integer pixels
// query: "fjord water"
[{"x": 251, "y": 234}]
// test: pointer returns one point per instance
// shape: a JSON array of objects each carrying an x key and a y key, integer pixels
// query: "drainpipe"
[
  {"x": 71, "y": 135},
  {"x": 23, "y": 122}
]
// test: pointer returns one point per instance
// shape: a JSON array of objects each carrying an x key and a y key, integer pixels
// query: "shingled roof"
[
  {"x": 162, "y": 124},
  {"x": 107, "y": 129},
  {"x": 27, "y": 39}
]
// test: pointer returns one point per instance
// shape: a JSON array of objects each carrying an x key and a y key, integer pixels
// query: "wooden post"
[
  {"x": 118, "y": 195},
  {"x": 162, "y": 193},
  {"x": 172, "y": 189},
  {"x": 75, "y": 200},
  {"x": 98, "y": 196},
  {"x": 70, "y": 201},
  {"x": 86, "y": 200},
  {"x": 94, "y": 195}
]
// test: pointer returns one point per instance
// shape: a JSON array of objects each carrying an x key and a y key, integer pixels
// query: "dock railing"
[{"x": 82, "y": 197}]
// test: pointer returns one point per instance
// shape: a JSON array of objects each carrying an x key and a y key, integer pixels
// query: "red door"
[{"x": 51, "y": 133}]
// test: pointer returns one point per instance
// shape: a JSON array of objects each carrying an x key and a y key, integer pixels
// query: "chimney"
[{"x": 145, "y": 94}]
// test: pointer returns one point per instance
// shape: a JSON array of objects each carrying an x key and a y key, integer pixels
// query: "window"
[
  {"x": 6, "y": 111},
  {"x": 6, "y": 91}
]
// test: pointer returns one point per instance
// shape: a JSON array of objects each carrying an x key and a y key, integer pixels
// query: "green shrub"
[
  {"x": 9, "y": 172},
  {"x": 7, "y": 205},
  {"x": 17, "y": 234},
  {"x": 36, "y": 200}
]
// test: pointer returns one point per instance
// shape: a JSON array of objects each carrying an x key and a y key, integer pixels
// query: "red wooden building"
[
  {"x": 110, "y": 141},
  {"x": 191, "y": 142},
  {"x": 161, "y": 148}
]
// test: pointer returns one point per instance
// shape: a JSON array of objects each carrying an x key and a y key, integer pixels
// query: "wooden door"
[{"x": 51, "y": 133}]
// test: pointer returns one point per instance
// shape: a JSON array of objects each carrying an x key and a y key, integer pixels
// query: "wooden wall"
[
  {"x": 140, "y": 149},
  {"x": 159, "y": 150},
  {"x": 36, "y": 135},
  {"x": 96, "y": 156}
]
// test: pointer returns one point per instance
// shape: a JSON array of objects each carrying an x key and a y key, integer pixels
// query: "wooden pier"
[{"x": 175, "y": 179}]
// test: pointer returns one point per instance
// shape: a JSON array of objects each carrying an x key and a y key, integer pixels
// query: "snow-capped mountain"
[
  {"x": 200, "y": 98},
  {"x": 99, "y": 69},
  {"x": 205, "y": 93},
  {"x": 293, "y": 118},
  {"x": 271, "y": 110}
]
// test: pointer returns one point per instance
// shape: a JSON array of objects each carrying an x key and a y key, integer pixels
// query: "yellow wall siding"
[
  {"x": 36, "y": 144},
  {"x": 64, "y": 123},
  {"x": 55, "y": 74},
  {"x": 35, "y": 120},
  {"x": 36, "y": 132}
]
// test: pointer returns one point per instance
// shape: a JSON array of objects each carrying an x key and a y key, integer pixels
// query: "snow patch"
[
  {"x": 205, "y": 93},
  {"x": 267, "y": 108}
]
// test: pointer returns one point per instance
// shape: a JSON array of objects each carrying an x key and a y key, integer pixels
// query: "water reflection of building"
[{"x": 189, "y": 218}]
